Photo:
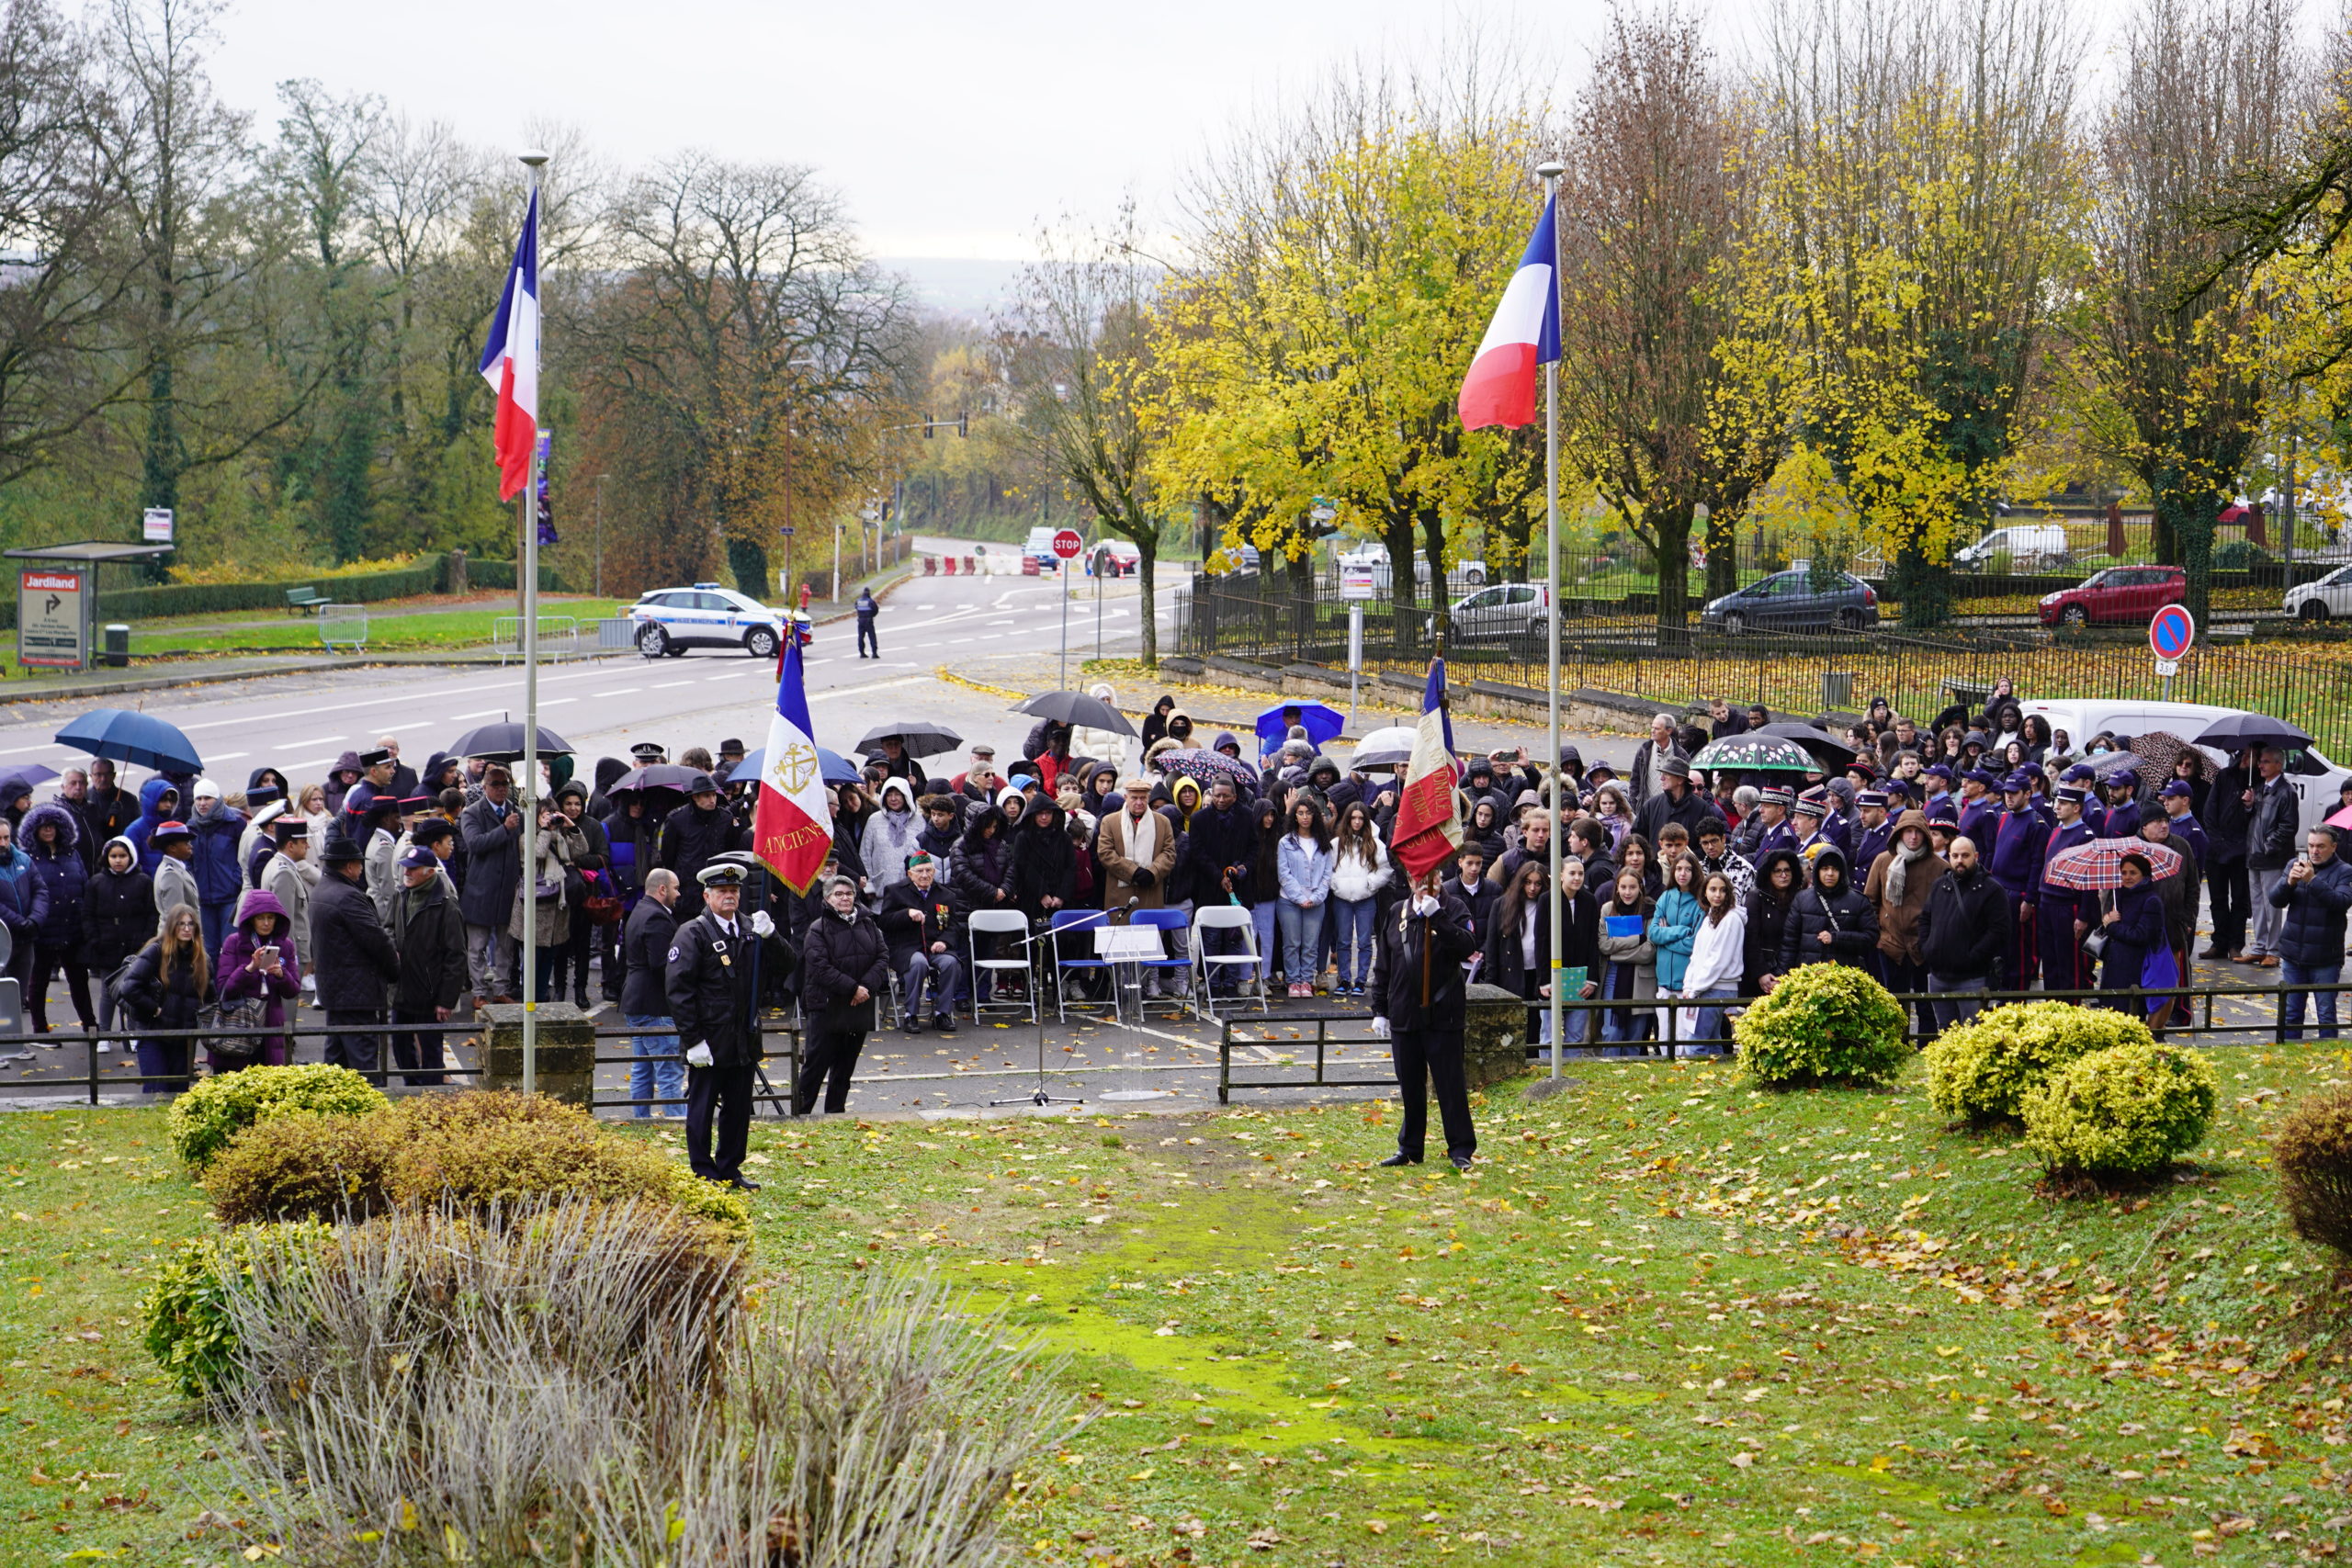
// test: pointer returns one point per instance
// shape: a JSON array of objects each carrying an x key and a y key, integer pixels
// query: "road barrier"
[
  {"x": 559, "y": 636},
  {"x": 343, "y": 625}
]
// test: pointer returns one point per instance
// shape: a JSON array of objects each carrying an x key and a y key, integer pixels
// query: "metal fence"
[{"x": 559, "y": 636}]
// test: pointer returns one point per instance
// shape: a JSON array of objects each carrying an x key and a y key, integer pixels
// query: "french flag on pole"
[
  {"x": 791, "y": 829},
  {"x": 1428, "y": 826},
  {"x": 510, "y": 362},
  {"x": 1525, "y": 333}
]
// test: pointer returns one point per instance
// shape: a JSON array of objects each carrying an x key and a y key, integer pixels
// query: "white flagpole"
[
  {"x": 1551, "y": 173},
  {"x": 534, "y": 160}
]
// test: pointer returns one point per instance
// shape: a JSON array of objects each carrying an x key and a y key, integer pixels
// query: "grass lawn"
[{"x": 1667, "y": 1319}]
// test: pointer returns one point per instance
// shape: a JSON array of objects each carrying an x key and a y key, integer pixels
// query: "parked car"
[
  {"x": 672, "y": 620},
  {"x": 1374, "y": 557},
  {"x": 2119, "y": 593},
  {"x": 1039, "y": 546},
  {"x": 2317, "y": 779},
  {"x": 2029, "y": 547},
  {"x": 1504, "y": 612},
  {"x": 1788, "y": 599},
  {"x": 2331, "y": 595}
]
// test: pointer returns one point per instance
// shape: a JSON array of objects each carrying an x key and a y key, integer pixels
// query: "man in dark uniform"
[
  {"x": 710, "y": 986},
  {"x": 645, "y": 753},
  {"x": 2062, "y": 916},
  {"x": 1418, "y": 995},
  {"x": 2013, "y": 849}
]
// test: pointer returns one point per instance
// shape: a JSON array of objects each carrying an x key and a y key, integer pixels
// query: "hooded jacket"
[
  {"x": 219, "y": 878},
  {"x": 24, "y": 898},
  {"x": 1044, "y": 863},
  {"x": 118, "y": 912},
  {"x": 1899, "y": 920},
  {"x": 1840, "y": 913},
  {"x": 889, "y": 837},
  {"x": 982, "y": 866},
  {"x": 62, "y": 872},
  {"x": 346, "y": 774},
  {"x": 240, "y": 978},
  {"x": 1103, "y": 745},
  {"x": 151, "y": 816},
  {"x": 690, "y": 839}
]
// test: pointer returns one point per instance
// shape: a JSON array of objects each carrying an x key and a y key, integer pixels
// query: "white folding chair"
[
  {"x": 998, "y": 922},
  {"x": 1232, "y": 918}
]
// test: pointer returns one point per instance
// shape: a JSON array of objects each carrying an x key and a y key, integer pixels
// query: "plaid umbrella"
[
  {"x": 1205, "y": 768},
  {"x": 2098, "y": 866},
  {"x": 1755, "y": 753}
]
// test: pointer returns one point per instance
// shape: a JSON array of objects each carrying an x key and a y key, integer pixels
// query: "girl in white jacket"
[
  {"x": 1360, "y": 869},
  {"x": 1717, "y": 954}
]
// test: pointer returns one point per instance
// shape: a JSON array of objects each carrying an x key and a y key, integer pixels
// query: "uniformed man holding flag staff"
[{"x": 713, "y": 983}]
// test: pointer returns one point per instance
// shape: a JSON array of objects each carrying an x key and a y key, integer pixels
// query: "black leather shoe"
[
  {"x": 944, "y": 1023},
  {"x": 743, "y": 1184},
  {"x": 1460, "y": 1162},
  {"x": 1399, "y": 1159}
]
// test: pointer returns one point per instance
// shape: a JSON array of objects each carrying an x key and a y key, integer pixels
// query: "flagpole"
[
  {"x": 1551, "y": 173},
  {"x": 529, "y": 510}
]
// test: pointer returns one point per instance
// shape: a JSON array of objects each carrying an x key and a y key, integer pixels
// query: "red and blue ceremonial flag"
[
  {"x": 791, "y": 829},
  {"x": 1428, "y": 826},
  {"x": 1525, "y": 333},
  {"x": 510, "y": 361}
]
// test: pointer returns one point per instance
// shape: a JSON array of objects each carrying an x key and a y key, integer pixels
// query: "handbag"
[
  {"x": 602, "y": 905},
  {"x": 240, "y": 1050},
  {"x": 2096, "y": 943}
]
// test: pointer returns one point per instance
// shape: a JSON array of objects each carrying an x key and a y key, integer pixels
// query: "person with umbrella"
[
  {"x": 490, "y": 830},
  {"x": 709, "y": 979},
  {"x": 890, "y": 752},
  {"x": 2314, "y": 892},
  {"x": 2135, "y": 924},
  {"x": 2273, "y": 810},
  {"x": 2178, "y": 893}
]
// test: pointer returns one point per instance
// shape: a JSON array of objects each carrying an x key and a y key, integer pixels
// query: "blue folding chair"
[
  {"x": 1166, "y": 921},
  {"x": 1091, "y": 921}
]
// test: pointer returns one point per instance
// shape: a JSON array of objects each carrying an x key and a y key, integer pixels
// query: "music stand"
[{"x": 1041, "y": 1097}]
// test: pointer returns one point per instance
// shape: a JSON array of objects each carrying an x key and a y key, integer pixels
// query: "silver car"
[{"x": 672, "y": 620}]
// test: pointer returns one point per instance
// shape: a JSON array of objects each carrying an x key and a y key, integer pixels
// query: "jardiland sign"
[{"x": 52, "y": 618}]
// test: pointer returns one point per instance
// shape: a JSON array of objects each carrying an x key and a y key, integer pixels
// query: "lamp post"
[{"x": 600, "y": 535}]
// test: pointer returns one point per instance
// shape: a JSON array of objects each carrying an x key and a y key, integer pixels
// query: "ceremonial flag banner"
[
  {"x": 1427, "y": 828},
  {"x": 1524, "y": 335},
  {"x": 791, "y": 829},
  {"x": 510, "y": 362}
]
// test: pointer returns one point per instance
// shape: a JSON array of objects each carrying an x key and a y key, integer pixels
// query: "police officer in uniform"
[
  {"x": 711, "y": 985},
  {"x": 1417, "y": 996}
]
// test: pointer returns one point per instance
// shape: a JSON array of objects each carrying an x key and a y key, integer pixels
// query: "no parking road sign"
[{"x": 2171, "y": 634}]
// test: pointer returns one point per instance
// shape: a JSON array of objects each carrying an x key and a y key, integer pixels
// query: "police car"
[{"x": 672, "y": 620}]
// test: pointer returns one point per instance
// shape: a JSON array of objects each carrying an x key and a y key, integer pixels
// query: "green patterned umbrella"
[{"x": 1756, "y": 754}]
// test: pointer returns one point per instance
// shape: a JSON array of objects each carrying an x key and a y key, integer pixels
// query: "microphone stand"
[{"x": 1041, "y": 1097}]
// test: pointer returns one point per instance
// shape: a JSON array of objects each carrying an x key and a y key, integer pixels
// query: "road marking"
[
  {"x": 557, "y": 702},
  {"x": 315, "y": 740},
  {"x": 668, "y": 685},
  {"x": 873, "y": 687},
  {"x": 616, "y": 692},
  {"x": 228, "y": 756},
  {"x": 484, "y": 712},
  {"x": 729, "y": 675},
  {"x": 412, "y": 724}
]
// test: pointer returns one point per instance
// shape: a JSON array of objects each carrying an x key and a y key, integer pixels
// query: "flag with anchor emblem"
[{"x": 791, "y": 829}]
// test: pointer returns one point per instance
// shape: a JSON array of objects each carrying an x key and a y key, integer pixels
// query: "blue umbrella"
[
  {"x": 137, "y": 737},
  {"x": 1322, "y": 723},
  {"x": 837, "y": 770}
]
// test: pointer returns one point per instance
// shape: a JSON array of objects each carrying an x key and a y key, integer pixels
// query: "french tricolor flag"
[
  {"x": 510, "y": 361},
  {"x": 1525, "y": 333},
  {"x": 792, "y": 828}
]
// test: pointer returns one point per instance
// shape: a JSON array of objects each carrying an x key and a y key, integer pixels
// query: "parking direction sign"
[{"x": 2173, "y": 632}]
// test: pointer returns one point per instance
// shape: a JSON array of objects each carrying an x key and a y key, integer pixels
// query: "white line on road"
[
  {"x": 668, "y": 685},
  {"x": 226, "y": 757},
  {"x": 481, "y": 713},
  {"x": 873, "y": 687},
  {"x": 616, "y": 692},
  {"x": 557, "y": 702},
  {"x": 315, "y": 740}
]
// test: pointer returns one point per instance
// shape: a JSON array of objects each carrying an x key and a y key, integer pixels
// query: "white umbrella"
[{"x": 1389, "y": 747}]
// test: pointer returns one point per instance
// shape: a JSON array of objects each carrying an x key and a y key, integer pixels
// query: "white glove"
[
  {"x": 762, "y": 924},
  {"x": 1425, "y": 906},
  {"x": 1380, "y": 1028},
  {"x": 698, "y": 1054}
]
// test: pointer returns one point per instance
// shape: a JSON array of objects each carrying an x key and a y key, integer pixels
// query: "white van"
[
  {"x": 2316, "y": 779},
  {"x": 2031, "y": 547}
]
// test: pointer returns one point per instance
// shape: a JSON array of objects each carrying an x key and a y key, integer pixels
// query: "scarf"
[
  {"x": 1898, "y": 869},
  {"x": 1143, "y": 835}
]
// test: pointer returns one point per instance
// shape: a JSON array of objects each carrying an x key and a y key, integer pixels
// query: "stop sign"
[{"x": 1066, "y": 544}]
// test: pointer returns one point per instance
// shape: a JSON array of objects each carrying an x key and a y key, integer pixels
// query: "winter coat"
[
  {"x": 1505, "y": 962},
  {"x": 691, "y": 839},
  {"x": 1965, "y": 930},
  {"x": 1123, "y": 876},
  {"x": 546, "y": 921},
  {"x": 889, "y": 837},
  {"x": 2312, "y": 936},
  {"x": 350, "y": 954},
  {"x": 2272, "y": 835},
  {"x": 1768, "y": 920},
  {"x": 291, "y": 882},
  {"x": 160, "y": 1001},
  {"x": 941, "y": 921},
  {"x": 347, "y": 773},
  {"x": 1898, "y": 923},
  {"x": 711, "y": 1001},
  {"x": 2129, "y": 939},
  {"x": 219, "y": 878},
  {"x": 1634, "y": 953},
  {"x": 645, "y": 957},
  {"x": 1044, "y": 863},
  {"x": 982, "y": 864},
  {"x": 240, "y": 979},
  {"x": 1103, "y": 745},
  {"x": 493, "y": 864},
  {"x": 24, "y": 899},
  {"x": 429, "y": 932},
  {"x": 118, "y": 915},
  {"x": 2225, "y": 815},
  {"x": 174, "y": 885},
  {"x": 837, "y": 956},
  {"x": 105, "y": 819},
  {"x": 141, "y": 832},
  {"x": 1848, "y": 919},
  {"x": 1222, "y": 842},
  {"x": 61, "y": 871},
  {"x": 1354, "y": 879},
  {"x": 1674, "y": 926}
]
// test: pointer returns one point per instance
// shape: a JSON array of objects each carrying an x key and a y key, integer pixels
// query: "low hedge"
[
  {"x": 1981, "y": 1071},
  {"x": 507, "y": 574},
  {"x": 185, "y": 1318},
  {"x": 217, "y": 1108},
  {"x": 1824, "y": 1023},
  {"x": 2128, "y": 1110}
]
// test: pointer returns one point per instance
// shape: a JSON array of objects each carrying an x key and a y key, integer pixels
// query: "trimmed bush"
[
  {"x": 471, "y": 1150},
  {"x": 188, "y": 1328},
  {"x": 2313, "y": 1153},
  {"x": 1981, "y": 1071},
  {"x": 1825, "y": 1023},
  {"x": 216, "y": 1110},
  {"x": 2124, "y": 1111}
]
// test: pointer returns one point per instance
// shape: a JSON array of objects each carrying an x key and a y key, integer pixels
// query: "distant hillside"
[{"x": 957, "y": 286}]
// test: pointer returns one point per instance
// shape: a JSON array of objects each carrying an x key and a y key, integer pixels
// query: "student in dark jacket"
[
  {"x": 51, "y": 835},
  {"x": 2223, "y": 816},
  {"x": 2135, "y": 924},
  {"x": 924, "y": 930},
  {"x": 107, "y": 812},
  {"x": 692, "y": 837},
  {"x": 1963, "y": 934},
  {"x": 491, "y": 829},
  {"x": 1044, "y": 863},
  {"x": 844, "y": 966},
  {"x": 1419, "y": 1000},
  {"x": 1469, "y": 884},
  {"x": 165, "y": 989},
  {"x": 118, "y": 919},
  {"x": 645, "y": 995},
  {"x": 430, "y": 934},
  {"x": 350, "y": 954},
  {"x": 1830, "y": 922},
  {"x": 1779, "y": 880}
]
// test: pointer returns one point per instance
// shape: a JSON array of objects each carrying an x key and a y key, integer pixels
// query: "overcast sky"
[{"x": 953, "y": 128}]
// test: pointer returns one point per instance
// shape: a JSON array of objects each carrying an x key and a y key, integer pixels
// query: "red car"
[{"x": 2119, "y": 594}]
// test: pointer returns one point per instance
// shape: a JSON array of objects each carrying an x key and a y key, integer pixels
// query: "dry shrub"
[
  {"x": 303, "y": 1166},
  {"x": 2313, "y": 1153}
]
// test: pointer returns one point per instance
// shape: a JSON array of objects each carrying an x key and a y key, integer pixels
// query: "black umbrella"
[
  {"x": 1076, "y": 707},
  {"x": 920, "y": 740},
  {"x": 2241, "y": 730},
  {"x": 504, "y": 742},
  {"x": 1817, "y": 741},
  {"x": 655, "y": 775}
]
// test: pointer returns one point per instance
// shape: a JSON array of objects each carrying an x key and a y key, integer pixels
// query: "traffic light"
[{"x": 928, "y": 426}]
